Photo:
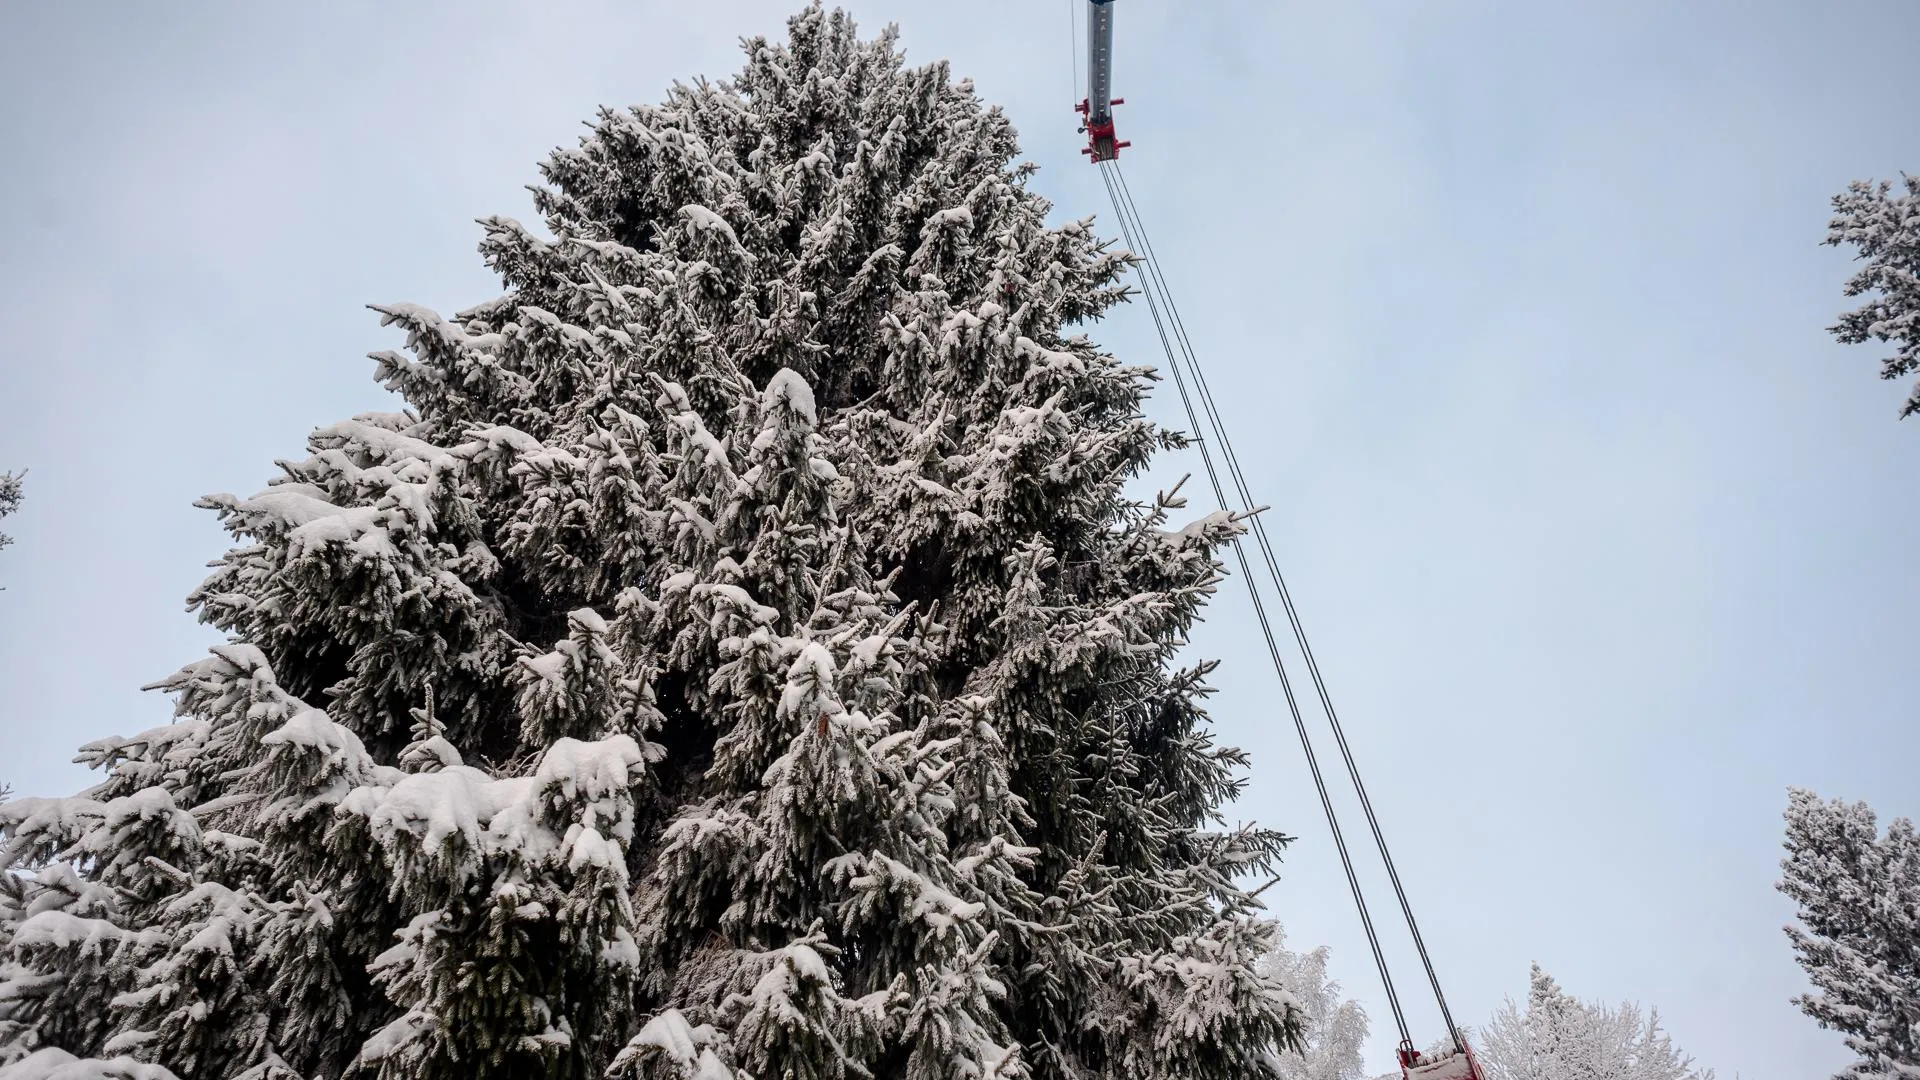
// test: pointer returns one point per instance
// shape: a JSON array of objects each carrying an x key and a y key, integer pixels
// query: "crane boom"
[
  {"x": 1096, "y": 109},
  {"x": 1100, "y": 60},
  {"x": 1098, "y": 105}
]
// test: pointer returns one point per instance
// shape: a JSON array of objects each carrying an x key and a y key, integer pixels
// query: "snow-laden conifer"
[
  {"x": 12, "y": 490},
  {"x": 1883, "y": 229},
  {"x": 737, "y": 659},
  {"x": 1858, "y": 891}
]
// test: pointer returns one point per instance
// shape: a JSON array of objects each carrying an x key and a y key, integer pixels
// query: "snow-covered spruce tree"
[
  {"x": 12, "y": 490},
  {"x": 739, "y": 660},
  {"x": 1333, "y": 1032},
  {"x": 1858, "y": 893},
  {"x": 1884, "y": 230},
  {"x": 1557, "y": 1037}
]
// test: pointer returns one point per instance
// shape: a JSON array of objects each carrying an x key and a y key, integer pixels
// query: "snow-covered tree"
[
  {"x": 12, "y": 490},
  {"x": 1334, "y": 1030},
  {"x": 1858, "y": 892},
  {"x": 1556, "y": 1037},
  {"x": 1883, "y": 228},
  {"x": 738, "y": 659}
]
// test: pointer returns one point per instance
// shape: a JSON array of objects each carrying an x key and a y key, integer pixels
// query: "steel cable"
[
  {"x": 1154, "y": 296},
  {"x": 1134, "y": 227}
]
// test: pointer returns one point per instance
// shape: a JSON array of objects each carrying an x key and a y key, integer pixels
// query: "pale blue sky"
[{"x": 1516, "y": 311}]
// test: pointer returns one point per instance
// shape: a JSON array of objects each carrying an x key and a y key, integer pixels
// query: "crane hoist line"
[{"x": 1457, "y": 1061}]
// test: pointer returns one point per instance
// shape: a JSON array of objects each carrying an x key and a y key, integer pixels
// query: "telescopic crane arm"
[{"x": 1098, "y": 105}]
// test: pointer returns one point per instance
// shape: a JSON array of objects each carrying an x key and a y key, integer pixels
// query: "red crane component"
[
  {"x": 1101, "y": 143},
  {"x": 1456, "y": 1064}
]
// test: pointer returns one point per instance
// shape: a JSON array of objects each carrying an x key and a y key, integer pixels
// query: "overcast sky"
[{"x": 1516, "y": 311}]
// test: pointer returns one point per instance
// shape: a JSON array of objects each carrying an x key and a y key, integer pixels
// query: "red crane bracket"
[{"x": 1102, "y": 145}]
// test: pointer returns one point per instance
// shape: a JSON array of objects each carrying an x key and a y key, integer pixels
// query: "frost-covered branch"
[
  {"x": 12, "y": 490},
  {"x": 1333, "y": 1035},
  {"x": 1883, "y": 228},
  {"x": 1858, "y": 938},
  {"x": 1555, "y": 1037}
]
